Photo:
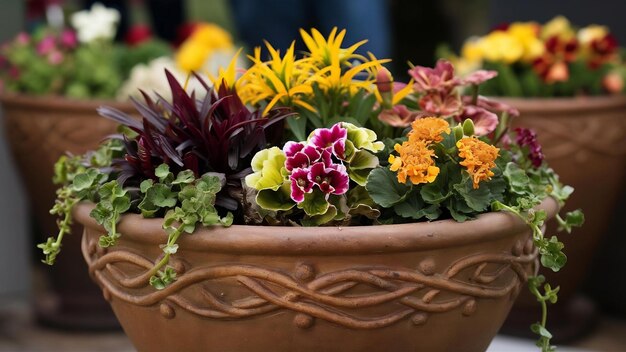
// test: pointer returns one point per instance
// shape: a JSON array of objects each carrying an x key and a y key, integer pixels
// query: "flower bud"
[
  {"x": 384, "y": 84},
  {"x": 458, "y": 132},
  {"x": 468, "y": 127}
]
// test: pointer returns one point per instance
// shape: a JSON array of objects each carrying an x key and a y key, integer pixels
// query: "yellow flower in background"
[
  {"x": 558, "y": 26},
  {"x": 527, "y": 33},
  {"x": 590, "y": 33},
  {"x": 191, "y": 56},
  {"x": 472, "y": 50},
  {"x": 197, "y": 49},
  {"x": 282, "y": 79},
  {"x": 501, "y": 46},
  {"x": 415, "y": 162},
  {"x": 479, "y": 158},
  {"x": 212, "y": 36},
  {"x": 429, "y": 129}
]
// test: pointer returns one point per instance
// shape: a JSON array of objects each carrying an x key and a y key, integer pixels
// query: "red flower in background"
[
  {"x": 552, "y": 66},
  {"x": 138, "y": 34},
  {"x": 602, "y": 50}
]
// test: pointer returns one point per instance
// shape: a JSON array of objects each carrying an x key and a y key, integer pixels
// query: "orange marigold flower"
[
  {"x": 415, "y": 162},
  {"x": 479, "y": 158},
  {"x": 429, "y": 129}
]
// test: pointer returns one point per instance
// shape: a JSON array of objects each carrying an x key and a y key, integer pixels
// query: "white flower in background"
[
  {"x": 99, "y": 22},
  {"x": 151, "y": 79}
]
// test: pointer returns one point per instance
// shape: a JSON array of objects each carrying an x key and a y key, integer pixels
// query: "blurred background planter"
[
  {"x": 583, "y": 141},
  {"x": 432, "y": 286},
  {"x": 39, "y": 130}
]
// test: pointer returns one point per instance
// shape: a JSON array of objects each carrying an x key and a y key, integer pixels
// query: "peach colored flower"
[
  {"x": 414, "y": 162},
  {"x": 429, "y": 129},
  {"x": 479, "y": 158}
]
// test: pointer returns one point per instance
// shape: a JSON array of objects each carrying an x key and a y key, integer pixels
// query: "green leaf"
[
  {"x": 297, "y": 125},
  {"x": 210, "y": 184},
  {"x": 85, "y": 180},
  {"x": 518, "y": 180},
  {"x": 145, "y": 185},
  {"x": 161, "y": 196},
  {"x": 321, "y": 219},
  {"x": 314, "y": 203},
  {"x": 478, "y": 199},
  {"x": 540, "y": 330},
  {"x": 275, "y": 200},
  {"x": 384, "y": 188},
  {"x": 227, "y": 220},
  {"x": 163, "y": 173},
  {"x": 363, "y": 138},
  {"x": 184, "y": 177},
  {"x": 572, "y": 219},
  {"x": 552, "y": 256},
  {"x": 414, "y": 207}
]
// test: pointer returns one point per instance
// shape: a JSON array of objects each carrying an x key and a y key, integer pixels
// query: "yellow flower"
[
  {"x": 212, "y": 36},
  {"x": 590, "y": 33},
  {"x": 527, "y": 33},
  {"x": 227, "y": 76},
  {"x": 323, "y": 52},
  {"x": 586, "y": 36},
  {"x": 191, "y": 56},
  {"x": 331, "y": 64},
  {"x": 472, "y": 51},
  {"x": 479, "y": 158},
  {"x": 195, "y": 51},
  {"x": 500, "y": 46},
  {"x": 429, "y": 129},
  {"x": 415, "y": 162},
  {"x": 558, "y": 26},
  {"x": 283, "y": 79}
]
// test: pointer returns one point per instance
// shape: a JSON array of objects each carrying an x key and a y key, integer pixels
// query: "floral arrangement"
[
  {"x": 79, "y": 62},
  {"x": 553, "y": 59},
  {"x": 358, "y": 149}
]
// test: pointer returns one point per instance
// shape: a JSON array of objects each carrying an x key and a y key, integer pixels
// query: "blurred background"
[{"x": 404, "y": 30}]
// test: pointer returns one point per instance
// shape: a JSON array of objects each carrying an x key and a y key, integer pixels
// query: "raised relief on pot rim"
[{"x": 411, "y": 294}]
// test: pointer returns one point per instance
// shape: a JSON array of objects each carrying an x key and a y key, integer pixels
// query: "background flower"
[{"x": 99, "y": 22}]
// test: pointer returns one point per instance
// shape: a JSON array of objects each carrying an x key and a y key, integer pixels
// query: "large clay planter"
[
  {"x": 435, "y": 286},
  {"x": 583, "y": 140},
  {"x": 39, "y": 131}
]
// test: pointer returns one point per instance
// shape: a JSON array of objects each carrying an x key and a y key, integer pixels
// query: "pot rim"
[
  {"x": 285, "y": 240},
  {"x": 559, "y": 105},
  {"x": 46, "y": 102}
]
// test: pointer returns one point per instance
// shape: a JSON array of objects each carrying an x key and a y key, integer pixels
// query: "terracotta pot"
[
  {"x": 583, "y": 140},
  {"x": 39, "y": 131},
  {"x": 432, "y": 286}
]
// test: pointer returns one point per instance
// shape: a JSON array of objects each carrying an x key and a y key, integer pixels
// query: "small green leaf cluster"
[
  {"x": 187, "y": 202},
  {"x": 549, "y": 295},
  {"x": 80, "y": 180},
  {"x": 183, "y": 200}
]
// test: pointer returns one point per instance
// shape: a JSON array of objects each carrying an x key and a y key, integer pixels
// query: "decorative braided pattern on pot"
[
  {"x": 577, "y": 139},
  {"x": 404, "y": 293}
]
